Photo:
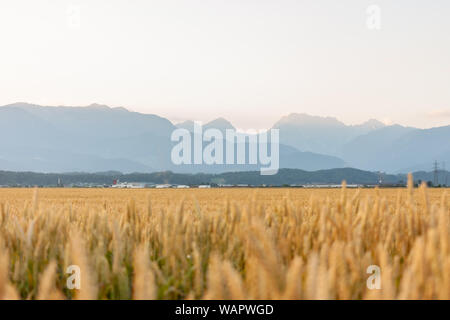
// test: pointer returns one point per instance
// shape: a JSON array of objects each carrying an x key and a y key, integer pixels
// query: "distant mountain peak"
[
  {"x": 187, "y": 122},
  {"x": 308, "y": 120},
  {"x": 220, "y": 122},
  {"x": 372, "y": 124},
  {"x": 98, "y": 106},
  {"x": 188, "y": 125},
  {"x": 20, "y": 105}
]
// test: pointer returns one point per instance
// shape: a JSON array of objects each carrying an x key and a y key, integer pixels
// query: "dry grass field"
[{"x": 224, "y": 243}]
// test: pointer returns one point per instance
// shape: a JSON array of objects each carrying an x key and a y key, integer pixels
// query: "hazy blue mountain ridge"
[{"x": 100, "y": 138}]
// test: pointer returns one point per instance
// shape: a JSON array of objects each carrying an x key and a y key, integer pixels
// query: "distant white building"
[
  {"x": 182, "y": 186},
  {"x": 131, "y": 185},
  {"x": 204, "y": 186},
  {"x": 163, "y": 186}
]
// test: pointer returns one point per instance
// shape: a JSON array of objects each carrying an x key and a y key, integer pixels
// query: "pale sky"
[{"x": 250, "y": 61}]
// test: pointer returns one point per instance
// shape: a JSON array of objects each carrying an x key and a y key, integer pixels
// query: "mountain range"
[
  {"x": 369, "y": 146},
  {"x": 99, "y": 138}
]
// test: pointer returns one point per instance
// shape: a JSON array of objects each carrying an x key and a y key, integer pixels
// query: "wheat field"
[{"x": 225, "y": 243}]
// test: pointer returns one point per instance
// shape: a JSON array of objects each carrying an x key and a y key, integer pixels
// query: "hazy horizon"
[{"x": 248, "y": 61}]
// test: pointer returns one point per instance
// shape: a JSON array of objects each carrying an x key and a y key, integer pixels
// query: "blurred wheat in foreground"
[{"x": 225, "y": 244}]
